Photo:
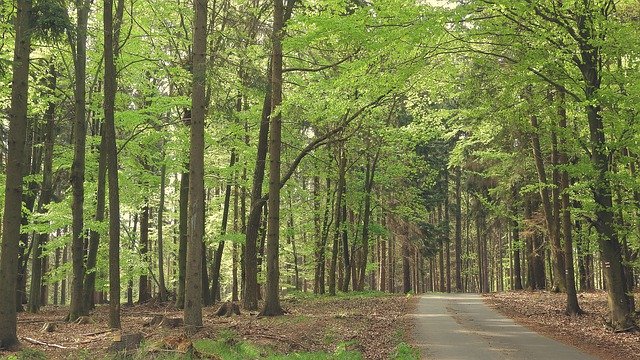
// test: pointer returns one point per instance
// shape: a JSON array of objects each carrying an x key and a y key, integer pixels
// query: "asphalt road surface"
[{"x": 461, "y": 326}]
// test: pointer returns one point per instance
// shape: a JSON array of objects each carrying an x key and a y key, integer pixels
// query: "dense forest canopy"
[{"x": 209, "y": 150}]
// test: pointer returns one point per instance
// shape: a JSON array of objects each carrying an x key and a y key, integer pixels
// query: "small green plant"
[
  {"x": 227, "y": 347},
  {"x": 26, "y": 354},
  {"x": 405, "y": 351}
]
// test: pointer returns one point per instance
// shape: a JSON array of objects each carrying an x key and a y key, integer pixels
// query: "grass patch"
[
  {"x": 405, "y": 351},
  {"x": 225, "y": 347},
  {"x": 27, "y": 354}
]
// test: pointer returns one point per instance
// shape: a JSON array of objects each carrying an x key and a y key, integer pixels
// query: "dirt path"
[{"x": 461, "y": 326}]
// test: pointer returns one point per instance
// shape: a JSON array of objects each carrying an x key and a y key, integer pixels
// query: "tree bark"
[
  {"x": 161, "y": 283},
  {"x": 548, "y": 204},
  {"x": 217, "y": 261},
  {"x": 195, "y": 220},
  {"x": 342, "y": 160},
  {"x": 144, "y": 292},
  {"x": 182, "y": 230},
  {"x": 369, "y": 176},
  {"x": 14, "y": 175},
  {"x": 272, "y": 293},
  {"x": 76, "y": 308},
  {"x": 38, "y": 265},
  {"x": 255, "y": 209}
]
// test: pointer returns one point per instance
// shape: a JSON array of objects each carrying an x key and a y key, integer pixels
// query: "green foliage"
[{"x": 49, "y": 20}]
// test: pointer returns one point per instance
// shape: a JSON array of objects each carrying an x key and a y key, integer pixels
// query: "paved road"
[{"x": 461, "y": 326}]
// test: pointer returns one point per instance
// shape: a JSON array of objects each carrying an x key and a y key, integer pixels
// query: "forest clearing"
[{"x": 341, "y": 173}]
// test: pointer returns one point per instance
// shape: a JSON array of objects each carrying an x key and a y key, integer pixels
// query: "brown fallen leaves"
[
  {"x": 544, "y": 312},
  {"x": 372, "y": 325}
]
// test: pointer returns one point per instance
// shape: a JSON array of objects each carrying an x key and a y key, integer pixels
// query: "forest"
[{"x": 250, "y": 154}]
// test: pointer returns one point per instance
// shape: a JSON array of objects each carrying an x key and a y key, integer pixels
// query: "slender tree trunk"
[
  {"x": 406, "y": 271},
  {"x": 458, "y": 230},
  {"x": 346, "y": 260},
  {"x": 14, "y": 175},
  {"x": 110, "y": 88},
  {"x": 217, "y": 261},
  {"x": 572, "y": 299},
  {"x": 234, "y": 253},
  {"x": 272, "y": 293},
  {"x": 195, "y": 220},
  {"x": 447, "y": 232},
  {"x": 38, "y": 265},
  {"x": 182, "y": 247},
  {"x": 94, "y": 237},
  {"x": 319, "y": 248},
  {"x": 338, "y": 221},
  {"x": 63, "y": 284},
  {"x": 517, "y": 271},
  {"x": 252, "y": 289},
  {"x": 77, "y": 168},
  {"x": 161, "y": 283},
  {"x": 144, "y": 292},
  {"x": 548, "y": 205},
  {"x": 56, "y": 285},
  {"x": 369, "y": 176}
]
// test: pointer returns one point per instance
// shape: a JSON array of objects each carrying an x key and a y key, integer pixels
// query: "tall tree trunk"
[
  {"x": 517, "y": 271},
  {"x": 37, "y": 271},
  {"x": 63, "y": 283},
  {"x": 14, "y": 175},
  {"x": 77, "y": 168},
  {"x": 369, "y": 176},
  {"x": 548, "y": 205},
  {"x": 94, "y": 236},
  {"x": 447, "y": 231},
  {"x": 110, "y": 88},
  {"x": 572, "y": 299},
  {"x": 406, "y": 271},
  {"x": 319, "y": 248},
  {"x": 195, "y": 220},
  {"x": 620, "y": 304},
  {"x": 144, "y": 292},
  {"x": 458, "y": 229},
  {"x": 346, "y": 260},
  {"x": 515, "y": 242},
  {"x": 272, "y": 295},
  {"x": 217, "y": 261},
  {"x": 182, "y": 230},
  {"x": 161, "y": 283},
  {"x": 255, "y": 210},
  {"x": 234, "y": 252},
  {"x": 338, "y": 220}
]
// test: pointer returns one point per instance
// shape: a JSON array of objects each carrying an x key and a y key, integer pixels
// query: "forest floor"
[
  {"x": 544, "y": 313},
  {"x": 367, "y": 325}
]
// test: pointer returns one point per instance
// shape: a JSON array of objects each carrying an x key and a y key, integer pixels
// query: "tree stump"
[
  {"x": 82, "y": 320},
  {"x": 48, "y": 327},
  {"x": 166, "y": 322},
  {"x": 125, "y": 342},
  {"x": 228, "y": 308},
  {"x": 170, "y": 323}
]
